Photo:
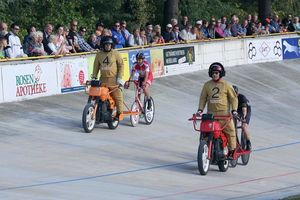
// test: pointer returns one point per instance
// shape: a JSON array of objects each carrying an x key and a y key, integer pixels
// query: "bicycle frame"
[{"x": 137, "y": 99}]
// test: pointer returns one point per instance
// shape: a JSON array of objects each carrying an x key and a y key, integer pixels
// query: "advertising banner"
[
  {"x": 179, "y": 60},
  {"x": 132, "y": 59},
  {"x": 157, "y": 62},
  {"x": 1, "y": 87},
  {"x": 263, "y": 49},
  {"x": 291, "y": 48},
  {"x": 72, "y": 74},
  {"x": 126, "y": 66},
  {"x": 27, "y": 81},
  {"x": 90, "y": 60}
]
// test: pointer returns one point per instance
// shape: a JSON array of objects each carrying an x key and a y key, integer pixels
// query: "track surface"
[{"x": 46, "y": 155}]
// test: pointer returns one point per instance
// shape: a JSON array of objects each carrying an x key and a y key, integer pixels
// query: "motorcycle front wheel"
[
  {"x": 203, "y": 161},
  {"x": 88, "y": 122}
]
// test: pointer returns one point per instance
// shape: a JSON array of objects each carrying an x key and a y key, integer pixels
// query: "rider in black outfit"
[{"x": 244, "y": 110}]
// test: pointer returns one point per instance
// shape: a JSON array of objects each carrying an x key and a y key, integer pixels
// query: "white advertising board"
[
  {"x": 263, "y": 50},
  {"x": 180, "y": 60},
  {"x": 1, "y": 87},
  {"x": 27, "y": 81},
  {"x": 72, "y": 73}
]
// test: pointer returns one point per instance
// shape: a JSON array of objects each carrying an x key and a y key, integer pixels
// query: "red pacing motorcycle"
[{"x": 213, "y": 142}]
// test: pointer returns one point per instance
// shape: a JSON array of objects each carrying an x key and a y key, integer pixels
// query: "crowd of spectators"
[{"x": 61, "y": 40}]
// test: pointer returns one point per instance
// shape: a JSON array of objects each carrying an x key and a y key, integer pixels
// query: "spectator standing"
[
  {"x": 46, "y": 34},
  {"x": 61, "y": 41},
  {"x": 99, "y": 30},
  {"x": 235, "y": 26},
  {"x": 15, "y": 49},
  {"x": 56, "y": 50},
  {"x": 119, "y": 40},
  {"x": 176, "y": 32},
  {"x": 184, "y": 22},
  {"x": 227, "y": 31},
  {"x": 72, "y": 36},
  {"x": 174, "y": 22},
  {"x": 211, "y": 29},
  {"x": 124, "y": 31},
  {"x": 204, "y": 29},
  {"x": 275, "y": 23}
]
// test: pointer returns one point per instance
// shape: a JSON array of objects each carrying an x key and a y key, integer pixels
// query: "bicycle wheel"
[
  {"x": 134, "y": 119},
  {"x": 149, "y": 111},
  {"x": 245, "y": 157},
  {"x": 88, "y": 122}
]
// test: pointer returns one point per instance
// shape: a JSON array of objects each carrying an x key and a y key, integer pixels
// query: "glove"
[
  {"x": 120, "y": 82},
  {"x": 234, "y": 113},
  {"x": 126, "y": 85},
  {"x": 199, "y": 112}
]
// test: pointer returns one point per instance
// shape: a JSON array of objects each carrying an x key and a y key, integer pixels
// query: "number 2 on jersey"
[{"x": 216, "y": 91}]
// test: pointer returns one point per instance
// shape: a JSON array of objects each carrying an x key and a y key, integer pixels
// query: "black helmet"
[
  {"x": 216, "y": 66},
  {"x": 236, "y": 89},
  {"x": 140, "y": 55},
  {"x": 107, "y": 40}
]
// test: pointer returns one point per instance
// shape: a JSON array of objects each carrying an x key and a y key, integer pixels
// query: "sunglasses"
[
  {"x": 17, "y": 29},
  {"x": 215, "y": 72}
]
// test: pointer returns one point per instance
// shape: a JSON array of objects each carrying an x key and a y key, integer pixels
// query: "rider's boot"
[
  {"x": 249, "y": 147},
  {"x": 230, "y": 155},
  {"x": 149, "y": 103}
]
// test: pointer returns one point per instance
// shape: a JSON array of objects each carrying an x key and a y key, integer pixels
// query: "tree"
[
  {"x": 170, "y": 10},
  {"x": 264, "y": 9}
]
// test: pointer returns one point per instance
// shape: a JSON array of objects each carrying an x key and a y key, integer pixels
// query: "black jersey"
[{"x": 243, "y": 102}]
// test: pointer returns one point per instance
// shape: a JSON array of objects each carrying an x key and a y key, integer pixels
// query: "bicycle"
[
  {"x": 139, "y": 108},
  {"x": 241, "y": 147}
]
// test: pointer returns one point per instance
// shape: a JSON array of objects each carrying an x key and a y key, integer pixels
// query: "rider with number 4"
[
  {"x": 220, "y": 98},
  {"x": 145, "y": 78},
  {"x": 110, "y": 65}
]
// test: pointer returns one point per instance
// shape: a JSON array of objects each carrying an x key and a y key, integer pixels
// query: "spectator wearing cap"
[
  {"x": 83, "y": 45},
  {"x": 198, "y": 30},
  {"x": 119, "y": 40},
  {"x": 124, "y": 31},
  {"x": 219, "y": 33},
  {"x": 149, "y": 33},
  {"x": 169, "y": 35}
]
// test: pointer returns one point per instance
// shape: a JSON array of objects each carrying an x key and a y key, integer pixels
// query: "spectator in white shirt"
[{"x": 15, "y": 49}]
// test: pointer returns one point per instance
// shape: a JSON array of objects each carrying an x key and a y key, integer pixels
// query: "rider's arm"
[
  {"x": 203, "y": 98},
  {"x": 96, "y": 68},
  {"x": 146, "y": 77},
  {"x": 120, "y": 65},
  {"x": 232, "y": 96}
]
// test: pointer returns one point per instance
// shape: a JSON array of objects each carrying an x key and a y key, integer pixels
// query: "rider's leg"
[
  {"x": 245, "y": 127},
  {"x": 229, "y": 131},
  {"x": 147, "y": 95}
]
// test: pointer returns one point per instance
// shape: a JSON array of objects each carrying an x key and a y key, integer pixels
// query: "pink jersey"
[{"x": 142, "y": 69}]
